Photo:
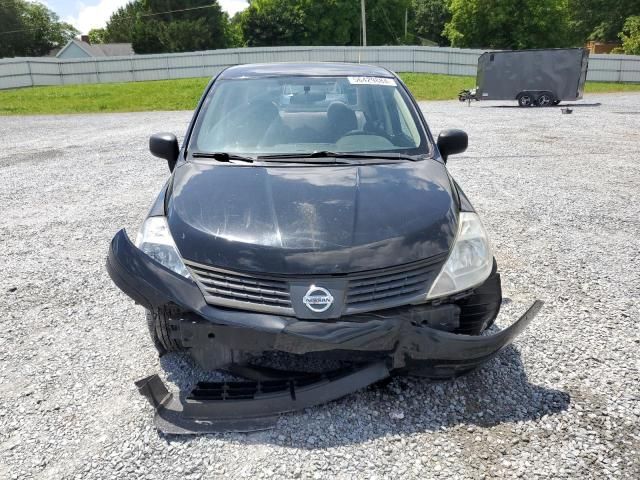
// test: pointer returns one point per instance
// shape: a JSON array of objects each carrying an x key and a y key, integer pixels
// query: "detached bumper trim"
[{"x": 249, "y": 406}]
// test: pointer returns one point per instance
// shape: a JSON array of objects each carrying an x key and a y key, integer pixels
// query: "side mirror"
[
  {"x": 165, "y": 145},
  {"x": 451, "y": 142}
]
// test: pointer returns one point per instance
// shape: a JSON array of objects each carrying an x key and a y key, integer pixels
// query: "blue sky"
[{"x": 88, "y": 14}]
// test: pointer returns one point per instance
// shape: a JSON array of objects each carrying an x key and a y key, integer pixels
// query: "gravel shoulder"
[{"x": 559, "y": 195}]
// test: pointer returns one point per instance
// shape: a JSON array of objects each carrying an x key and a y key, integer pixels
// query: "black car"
[{"x": 309, "y": 212}]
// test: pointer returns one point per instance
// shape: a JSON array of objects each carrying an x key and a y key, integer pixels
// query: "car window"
[{"x": 262, "y": 116}]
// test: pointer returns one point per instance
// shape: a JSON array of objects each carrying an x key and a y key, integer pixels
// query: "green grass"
[
  {"x": 604, "y": 87},
  {"x": 183, "y": 94},
  {"x": 428, "y": 86},
  {"x": 180, "y": 94}
]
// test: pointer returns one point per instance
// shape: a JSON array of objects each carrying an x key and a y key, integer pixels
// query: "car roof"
[{"x": 318, "y": 69}]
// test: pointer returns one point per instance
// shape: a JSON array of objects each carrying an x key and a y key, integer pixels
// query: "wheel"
[
  {"x": 556, "y": 102},
  {"x": 160, "y": 332},
  {"x": 525, "y": 99},
  {"x": 545, "y": 99}
]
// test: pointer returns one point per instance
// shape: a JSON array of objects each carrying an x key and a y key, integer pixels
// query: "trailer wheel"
[
  {"x": 545, "y": 99},
  {"x": 524, "y": 99}
]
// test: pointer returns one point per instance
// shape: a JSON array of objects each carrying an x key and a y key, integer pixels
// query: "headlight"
[
  {"x": 470, "y": 261},
  {"x": 154, "y": 239}
]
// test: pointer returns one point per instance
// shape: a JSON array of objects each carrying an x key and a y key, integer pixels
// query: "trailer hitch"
[{"x": 248, "y": 406}]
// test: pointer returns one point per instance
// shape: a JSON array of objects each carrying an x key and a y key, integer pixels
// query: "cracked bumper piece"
[
  {"x": 250, "y": 406},
  {"x": 398, "y": 338}
]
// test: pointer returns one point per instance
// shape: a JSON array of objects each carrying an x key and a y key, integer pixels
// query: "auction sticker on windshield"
[{"x": 388, "y": 82}]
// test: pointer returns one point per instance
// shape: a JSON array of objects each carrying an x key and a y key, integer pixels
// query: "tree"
[
  {"x": 235, "y": 38},
  {"x": 630, "y": 35},
  {"x": 97, "y": 35},
  {"x": 166, "y": 26},
  {"x": 430, "y": 17},
  {"x": 120, "y": 26},
  {"x": 385, "y": 21},
  {"x": 12, "y": 38},
  {"x": 274, "y": 23},
  {"x": 509, "y": 24},
  {"x": 31, "y": 29},
  {"x": 600, "y": 20},
  {"x": 322, "y": 22}
]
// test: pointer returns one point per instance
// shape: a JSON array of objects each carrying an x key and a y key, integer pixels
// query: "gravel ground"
[{"x": 559, "y": 195}]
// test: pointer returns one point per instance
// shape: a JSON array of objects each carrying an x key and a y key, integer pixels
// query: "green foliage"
[
  {"x": 120, "y": 26},
  {"x": 508, "y": 24},
  {"x": 600, "y": 20},
  {"x": 145, "y": 24},
  {"x": 322, "y": 22},
  {"x": 97, "y": 35},
  {"x": 235, "y": 37},
  {"x": 630, "y": 36},
  {"x": 274, "y": 23},
  {"x": 30, "y": 29},
  {"x": 430, "y": 17}
]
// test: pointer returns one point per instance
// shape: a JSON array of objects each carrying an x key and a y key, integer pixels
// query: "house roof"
[{"x": 101, "y": 49}]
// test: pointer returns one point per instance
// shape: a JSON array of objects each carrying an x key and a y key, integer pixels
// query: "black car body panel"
[{"x": 310, "y": 220}]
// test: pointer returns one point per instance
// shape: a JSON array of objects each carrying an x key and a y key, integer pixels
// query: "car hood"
[{"x": 311, "y": 219}]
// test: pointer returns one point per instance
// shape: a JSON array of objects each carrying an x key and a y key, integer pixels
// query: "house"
[
  {"x": 81, "y": 48},
  {"x": 602, "y": 47}
]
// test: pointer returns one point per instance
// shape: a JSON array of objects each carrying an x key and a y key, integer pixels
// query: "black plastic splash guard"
[{"x": 250, "y": 405}]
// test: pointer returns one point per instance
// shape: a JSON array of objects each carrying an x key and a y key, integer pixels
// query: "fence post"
[
  {"x": 30, "y": 74},
  {"x": 620, "y": 71}
]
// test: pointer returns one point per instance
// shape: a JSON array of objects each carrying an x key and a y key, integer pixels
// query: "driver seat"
[{"x": 342, "y": 120}]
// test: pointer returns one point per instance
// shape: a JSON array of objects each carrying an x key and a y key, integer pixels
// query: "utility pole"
[
  {"x": 406, "y": 20},
  {"x": 364, "y": 23}
]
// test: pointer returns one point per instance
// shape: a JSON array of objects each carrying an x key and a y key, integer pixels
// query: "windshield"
[{"x": 297, "y": 114}]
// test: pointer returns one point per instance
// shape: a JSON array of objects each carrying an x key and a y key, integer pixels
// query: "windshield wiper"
[
  {"x": 329, "y": 154},
  {"x": 222, "y": 156}
]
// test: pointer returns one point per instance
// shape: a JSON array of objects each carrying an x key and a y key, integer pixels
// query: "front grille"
[
  {"x": 390, "y": 286},
  {"x": 363, "y": 291},
  {"x": 233, "y": 289}
]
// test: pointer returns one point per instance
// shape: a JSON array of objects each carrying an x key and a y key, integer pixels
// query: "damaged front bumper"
[
  {"x": 394, "y": 342},
  {"x": 154, "y": 286}
]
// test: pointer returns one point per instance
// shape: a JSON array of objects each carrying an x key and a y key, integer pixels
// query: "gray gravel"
[{"x": 559, "y": 195}]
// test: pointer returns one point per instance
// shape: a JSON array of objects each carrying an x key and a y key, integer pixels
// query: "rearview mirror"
[
  {"x": 451, "y": 142},
  {"x": 165, "y": 145}
]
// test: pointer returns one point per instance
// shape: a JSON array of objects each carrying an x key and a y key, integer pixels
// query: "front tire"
[{"x": 160, "y": 332}]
